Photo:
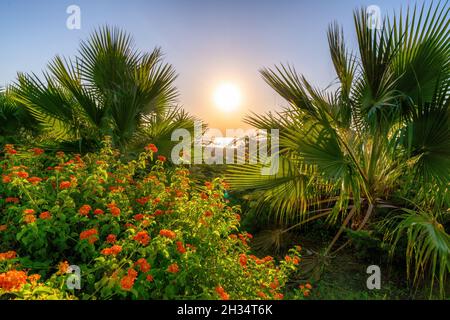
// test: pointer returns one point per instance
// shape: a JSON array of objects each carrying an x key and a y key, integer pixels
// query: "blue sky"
[{"x": 208, "y": 42}]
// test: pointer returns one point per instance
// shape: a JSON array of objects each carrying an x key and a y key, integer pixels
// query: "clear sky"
[{"x": 208, "y": 41}]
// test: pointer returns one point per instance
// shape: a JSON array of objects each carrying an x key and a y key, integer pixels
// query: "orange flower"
[
  {"x": 143, "y": 265},
  {"x": 208, "y": 214},
  {"x": 151, "y": 147},
  {"x": 64, "y": 185},
  {"x": 149, "y": 278},
  {"x": 279, "y": 296},
  {"x": 180, "y": 248},
  {"x": 12, "y": 200},
  {"x": 113, "y": 251},
  {"x": 63, "y": 266},
  {"x": 3, "y": 227},
  {"x": 138, "y": 217},
  {"x": 308, "y": 286},
  {"x": 287, "y": 259},
  {"x": 306, "y": 293},
  {"x": 6, "y": 179},
  {"x": 8, "y": 255},
  {"x": 12, "y": 280},
  {"x": 37, "y": 151},
  {"x": 142, "y": 237},
  {"x": 28, "y": 211},
  {"x": 168, "y": 234},
  {"x": 173, "y": 268},
  {"x": 127, "y": 281},
  {"x": 243, "y": 259},
  {"x": 90, "y": 235},
  {"x": 162, "y": 158},
  {"x": 45, "y": 215},
  {"x": 221, "y": 292},
  {"x": 142, "y": 200},
  {"x": 22, "y": 174},
  {"x": 208, "y": 185},
  {"x": 98, "y": 211},
  {"x": 111, "y": 238},
  {"x": 34, "y": 278},
  {"x": 296, "y": 260},
  {"x": 274, "y": 284},
  {"x": 262, "y": 295},
  {"x": 29, "y": 218},
  {"x": 115, "y": 211},
  {"x": 84, "y": 210},
  {"x": 158, "y": 212},
  {"x": 34, "y": 180}
]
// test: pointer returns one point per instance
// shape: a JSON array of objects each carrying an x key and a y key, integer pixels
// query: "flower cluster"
[{"x": 136, "y": 229}]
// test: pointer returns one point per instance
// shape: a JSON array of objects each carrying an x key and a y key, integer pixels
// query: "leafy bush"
[{"x": 136, "y": 230}]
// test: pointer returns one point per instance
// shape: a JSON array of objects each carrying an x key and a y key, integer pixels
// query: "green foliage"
[{"x": 379, "y": 136}]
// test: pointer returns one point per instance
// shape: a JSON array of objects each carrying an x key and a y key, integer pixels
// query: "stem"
[{"x": 341, "y": 229}]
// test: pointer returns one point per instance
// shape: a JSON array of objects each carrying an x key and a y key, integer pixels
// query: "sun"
[{"x": 227, "y": 97}]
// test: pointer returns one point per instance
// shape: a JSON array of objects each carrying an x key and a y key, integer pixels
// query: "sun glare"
[{"x": 227, "y": 97}]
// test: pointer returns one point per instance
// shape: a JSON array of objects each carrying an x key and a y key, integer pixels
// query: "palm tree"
[
  {"x": 16, "y": 121},
  {"x": 108, "y": 89},
  {"x": 377, "y": 142}
]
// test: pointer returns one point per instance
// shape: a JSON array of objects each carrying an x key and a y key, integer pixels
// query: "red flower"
[
  {"x": 45, "y": 215},
  {"x": 151, "y": 147},
  {"x": 142, "y": 200},
  {"x": 37, "y": 151},
  {"x": 138, "y": 217},
  {"x": 64, "y": 185},
  {"x": 28, "y": 211},
  {"x": 208, "y": 214},
  {"x": 90, "y": 235},
  {"x": 142, "y": 237},
  {"x": 84, "y": 210},
  {"x": 115, "y": 211},
  {"x": 158, "y": 212},
  {"x": 34, "y": 180},
  {"x": 127, "y": 282},
  {"x": 209, "y": 185},
  {"x": 262, "y": 295},
  {"x": 168, "y": 234},
  {"x": 162, "y": 158},
  {"x": 114, "y": 250},
  {"x": 180, "y": 248},
  {"x": 243, "y": 259},
  {"x": 143, "y": 265},
  {"x": 98, "y": 211},
  {"x": 111, "y": 238},
  {"x": 221, "y": 292},
  {"x": 6, "y": 179},
  {"x": 12, "y": 200},
  {"x": 149, "y": 278},
  {"x": 22, "y": 174},
  {"x": 173, "y": 268},
  {"x": 279, "y": 296}
]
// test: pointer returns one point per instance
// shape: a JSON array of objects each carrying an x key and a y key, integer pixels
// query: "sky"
[{"x": 209, "y": 42}]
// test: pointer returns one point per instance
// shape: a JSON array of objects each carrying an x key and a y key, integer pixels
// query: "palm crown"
[{"x": 108, "y": 89}]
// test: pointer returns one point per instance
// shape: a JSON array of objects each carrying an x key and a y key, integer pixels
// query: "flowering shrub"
[{"x": 136, "y": 230}]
